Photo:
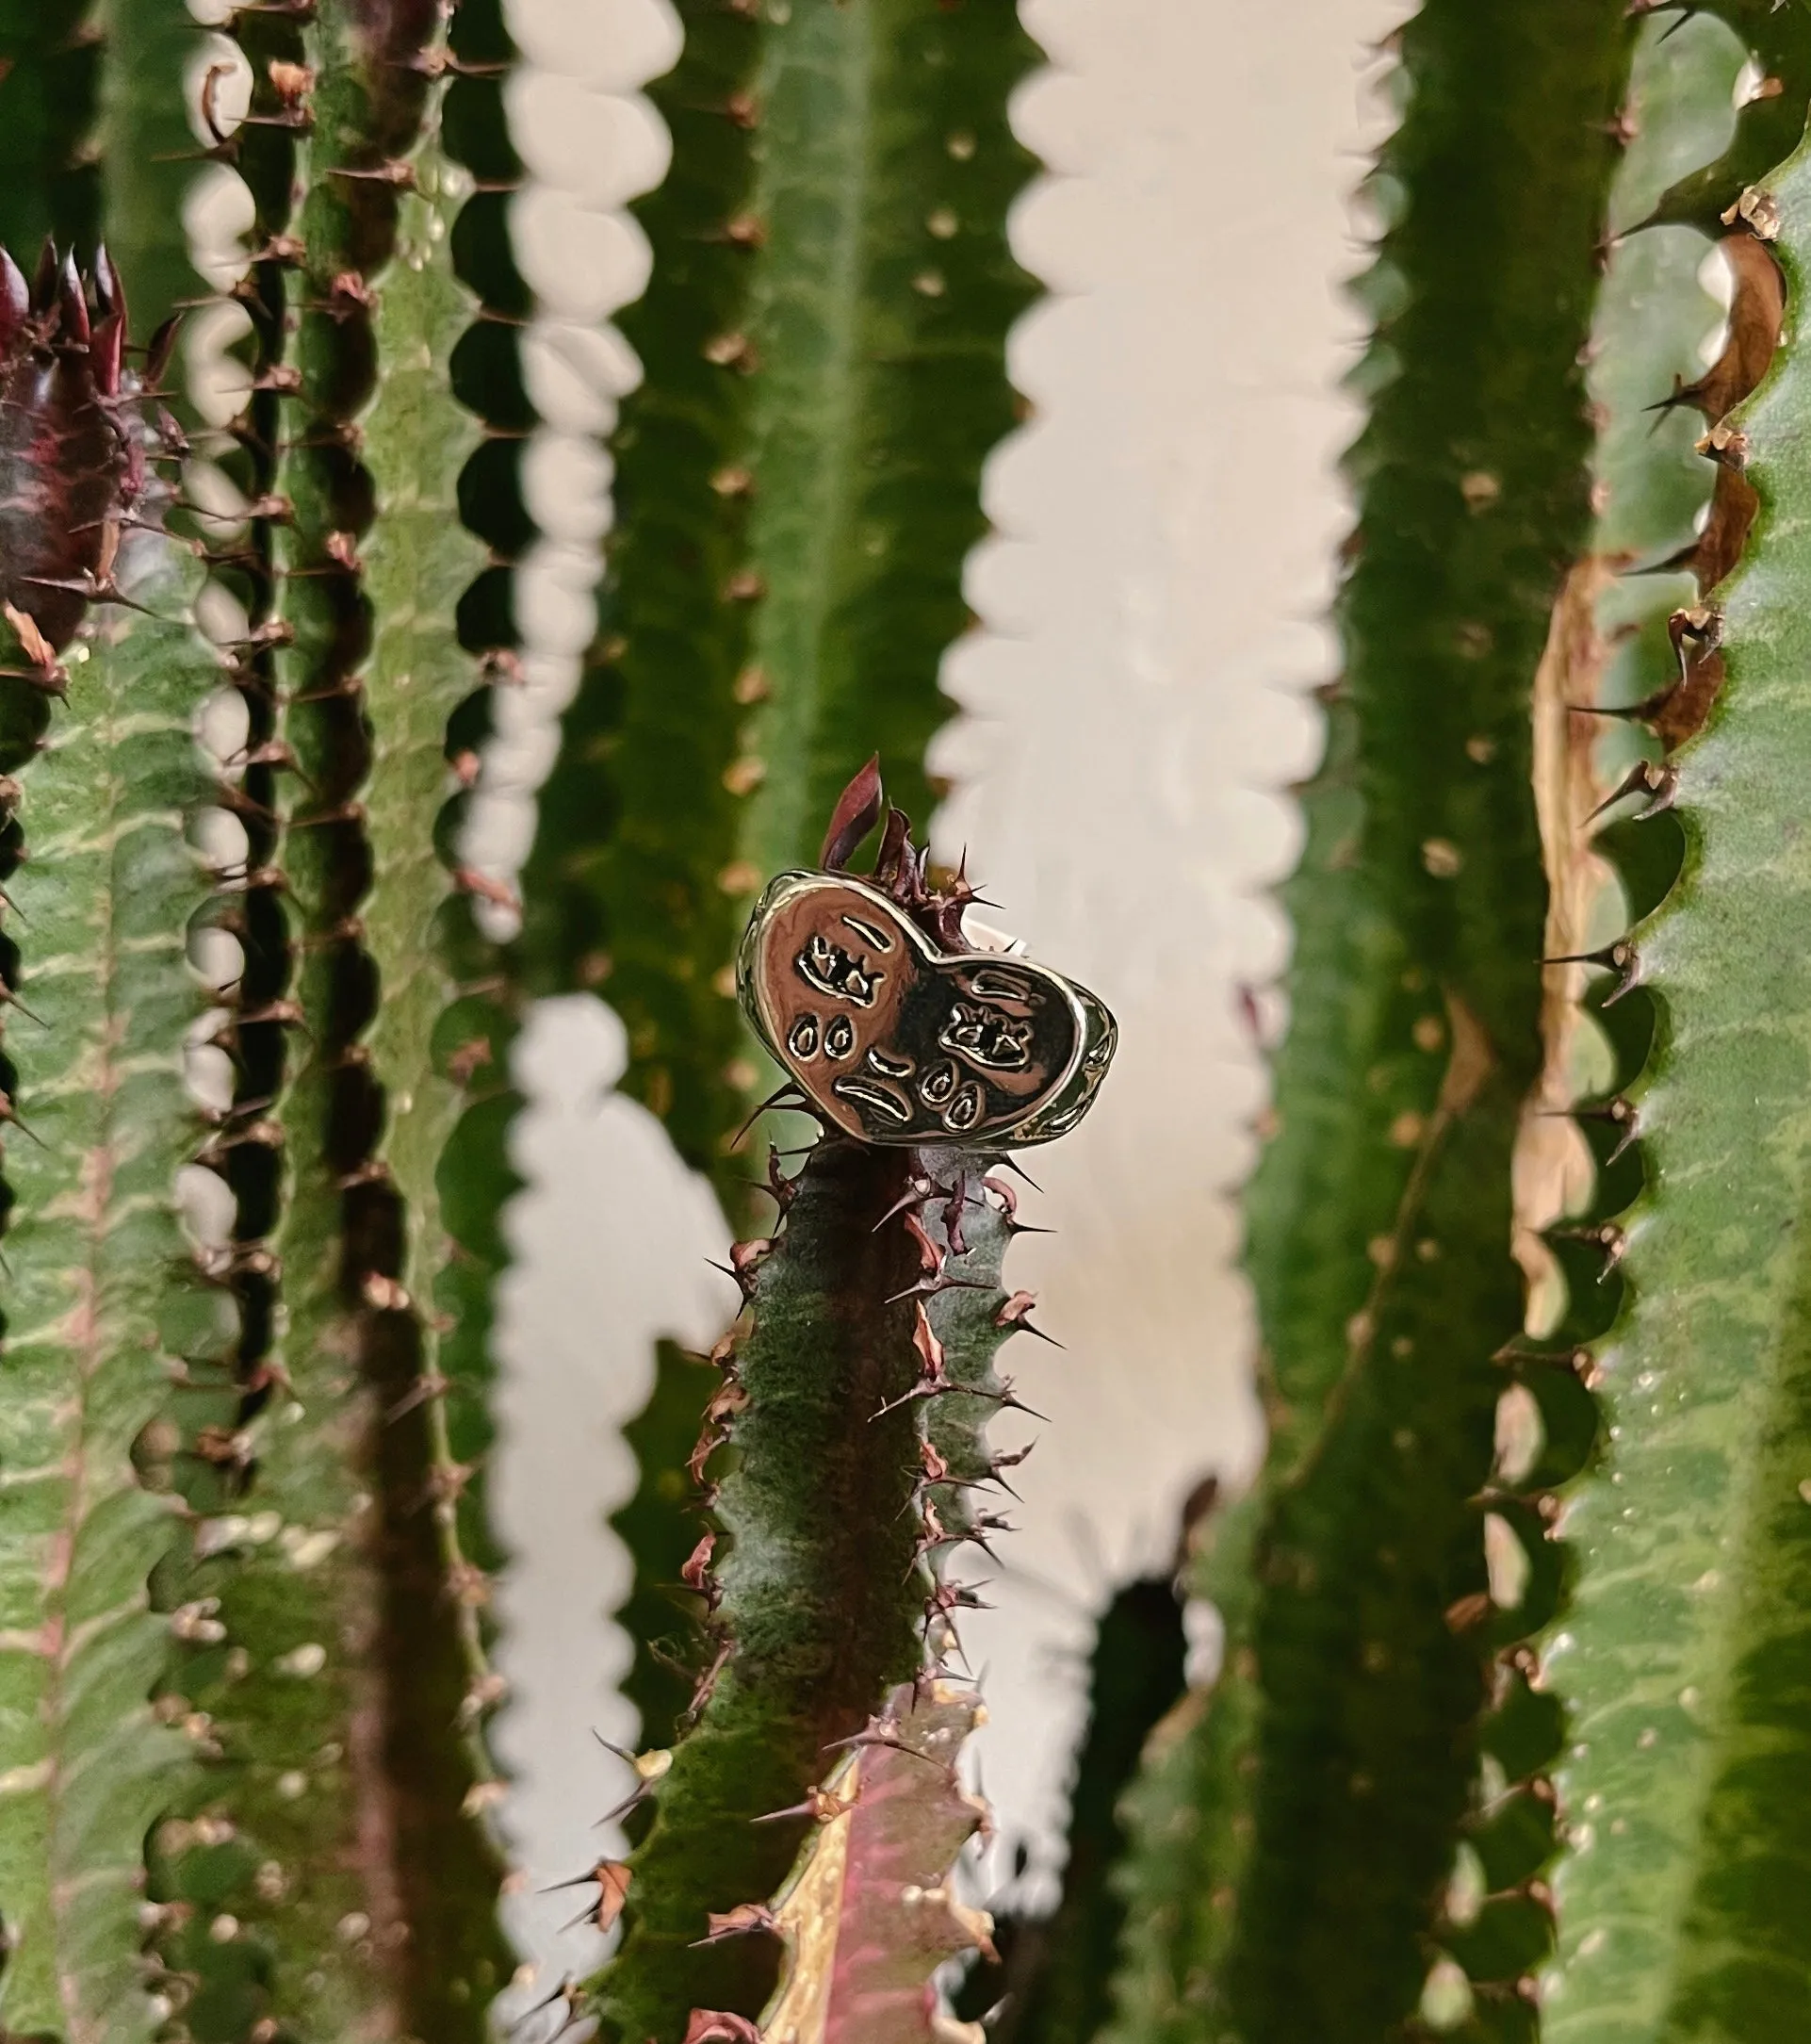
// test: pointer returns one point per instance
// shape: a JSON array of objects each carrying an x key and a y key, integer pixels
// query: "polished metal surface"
[{"x": 896, "y": 1041}]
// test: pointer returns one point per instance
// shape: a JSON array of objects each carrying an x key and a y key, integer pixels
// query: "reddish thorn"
[
  {"x": 856, "y": 813},
  {"x": 15, "y": 301}
]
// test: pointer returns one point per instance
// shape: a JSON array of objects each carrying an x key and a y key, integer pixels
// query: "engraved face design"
[{"x": 897, "y": 1041}]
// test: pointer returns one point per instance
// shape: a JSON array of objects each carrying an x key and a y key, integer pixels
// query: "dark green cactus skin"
[
  {"x": 660, "y": 1526},
  {"x": 796, "y": 486},
  {"x": 361, "y": 1781},
  {"x": 822, "y": 1599},
  {"x": 1056, "y": 1974},
  {"x": 476, "y": 1028},
  {"x": 49, "y": 72},
  {"x": 142, "y": 133},
  {"x": 1379, "y": 1221}
]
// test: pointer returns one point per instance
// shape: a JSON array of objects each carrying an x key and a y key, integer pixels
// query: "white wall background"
[{"x": 1150, "y": 603}]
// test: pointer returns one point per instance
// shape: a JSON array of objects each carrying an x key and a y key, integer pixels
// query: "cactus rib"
[
  {"x": 1686, "y": 1756},
  {"x": 103, "y": 1308},
  {"x": 796, "y": 488},
  {"x": 351, "y": 1734},
  {"x": 1335, "y": 1759}
]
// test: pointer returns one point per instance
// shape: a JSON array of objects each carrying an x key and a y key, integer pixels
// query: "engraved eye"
[
  {"x": 840, "y": 1038},
  {"x": 803, "y": 1042},
  {"x": 964, "y": 1111},
  {"x": 938, "y": 1083}
]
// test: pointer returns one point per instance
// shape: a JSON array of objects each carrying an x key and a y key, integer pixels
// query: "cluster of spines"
[
  {"x": 79, "y": 450},
  {"x": 298, "y": 1011}
]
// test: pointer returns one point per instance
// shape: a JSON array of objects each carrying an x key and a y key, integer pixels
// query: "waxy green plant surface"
[
  {"x": 1683, "y": 1659},
  {"x": 796, "y": 488},
  {"x": 104, "y": 1309},
  {"x": 1297, "y": 1839}
]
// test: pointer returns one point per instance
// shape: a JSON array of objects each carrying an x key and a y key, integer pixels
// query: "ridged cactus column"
[
  {"x": 1681, "y": 1659},
  {"x": 350, "y": 1720},
  {"x": 855, "y": 1391},
  {"x": 1297, "y": 1836},
  {"x": 107, "y": 1317},
  {"x": 796, "y": 487}
]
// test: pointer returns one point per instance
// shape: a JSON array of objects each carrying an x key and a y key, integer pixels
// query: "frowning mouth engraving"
[{"x": 877, "y": 1094}]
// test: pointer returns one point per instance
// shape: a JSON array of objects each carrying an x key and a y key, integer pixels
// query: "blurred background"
[{"x": 1134, "y": 705}]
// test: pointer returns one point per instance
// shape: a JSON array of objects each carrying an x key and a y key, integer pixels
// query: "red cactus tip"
[{"x": 74, "y": 447}]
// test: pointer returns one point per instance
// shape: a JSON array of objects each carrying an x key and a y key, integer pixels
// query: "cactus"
[
  {"x": 247, "y": 1793},
  {"x": 104, "y": 1310},
  {"x": 868, "y": 1914},
  {"x": 1505, "y": 1741},
  {"x": 796, "y": 487},
  {"x": 1332, "y": 1769},
  {"x": 351, "y": 1734},
  {"x": 864, "y": 1365},
  {"x": 1642, "y": 1853},
  {"x": 1677, "y": 1659}
]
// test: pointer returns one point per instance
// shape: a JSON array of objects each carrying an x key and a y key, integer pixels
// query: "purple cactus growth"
[{"x": 75, "y": 450}]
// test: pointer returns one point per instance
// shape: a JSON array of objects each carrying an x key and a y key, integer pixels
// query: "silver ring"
[{"x": 896, "y": 1040}]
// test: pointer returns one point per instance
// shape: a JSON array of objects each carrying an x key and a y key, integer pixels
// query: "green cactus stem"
[
  {"x": 142, "y": 122},
  {"x": 1678, "y": 1659},
  {"x": 1771, "y": 120},
  {"x": 49, "y": 179},
  {"x": 868, "y": 1913},
  {"x": 796, "y": 487},
  {"x": 820, "y": 1603},
  {"x": 104, "y": 1309},
  {"x": 351, "y": 1732},
  {"x": 1330, "y": 1771},
  {"x": 659, "y": 1525},
  {"x": 853, "y": 1396}
]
